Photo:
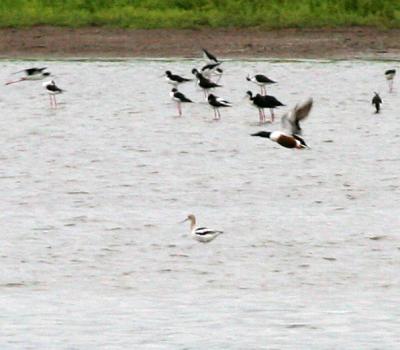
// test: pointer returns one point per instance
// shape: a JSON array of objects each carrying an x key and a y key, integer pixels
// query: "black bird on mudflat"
[
  {"x": 261, "y": 80},
  {"x": 217, "y": 102},
  {"x": 264, "y": 101},
  {"x": 179, "y": 98},
  {"x": 390, "y": 74},
  {"x": 376, "y": 100},
  {"x": 204, "y": 83},
  {"x": 175, "y": 79}
]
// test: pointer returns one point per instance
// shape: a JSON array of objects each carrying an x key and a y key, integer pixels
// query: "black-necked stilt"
[
  {"x": 179, "y": 98},
  {"x": 290, "y": 138},
  {"x": 209, "y": 56},
  {"x": 390, "y": 74},
  {"x": 204, "y": 83},
  {"x": 376, "y": 100},
  {"x": 31, "y": 74},
  {"x": 264, "y": 101},
  {"x": 201, "y": 234},
  {"x": 175, "y": 79},
  {"x": 261, "y": 80},
  {"x": 52, "y": 90},
  {"x": 216, "y": 103},
  {"x": 209, "y": 69}
]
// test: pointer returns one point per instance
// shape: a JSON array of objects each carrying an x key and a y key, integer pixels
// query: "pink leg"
[
  {"x": 51, "y": 101},
  {"x": 179, "y": 109},
  {"x": 55, "y": 101},
  {"x": 272, "y": 115}
]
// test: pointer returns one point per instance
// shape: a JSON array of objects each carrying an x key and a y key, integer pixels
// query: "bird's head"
[{"x": 174, "y": 90}]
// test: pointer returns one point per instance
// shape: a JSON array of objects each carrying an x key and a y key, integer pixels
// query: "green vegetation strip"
[{"x": 200, "y": 13}]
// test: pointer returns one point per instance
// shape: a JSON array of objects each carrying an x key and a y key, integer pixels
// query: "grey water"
[{"x": 92, "y": 252}]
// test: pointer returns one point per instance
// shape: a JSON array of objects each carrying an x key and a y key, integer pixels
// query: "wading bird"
[
  {"x": 52, "y": 90},
  {"x": 390, "y": 74},
  {"x": 175, "y": 79},
  {"x": 261, "y": 80},
  {"x": 217, "y": 102},
  {"x": 264, "y": 101},
  {"x": 201, "y": 234},
  {"x": 204, "y": 83},
  {"x": 290, "y": 137},
  {"x": 376, "y": 101},
  {"x": 179, "y": 98}
]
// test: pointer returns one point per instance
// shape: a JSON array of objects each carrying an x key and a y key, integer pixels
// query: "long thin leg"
[
  {"x": 179, "y": 109},
  {"x": 51, "y": 101},
  {"x": 219, "y": 114},
  {"x": 272, "y": 115}
]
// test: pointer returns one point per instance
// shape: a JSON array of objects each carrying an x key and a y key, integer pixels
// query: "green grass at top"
[{"x": 200, "y": 13}]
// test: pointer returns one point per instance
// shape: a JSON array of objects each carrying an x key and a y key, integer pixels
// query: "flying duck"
[
  {"x": 261, "y": 80},
  {"x": 201, "y": 234},
  {"x": 179, "y": 98},
  {"x": 290, "y": 138}
]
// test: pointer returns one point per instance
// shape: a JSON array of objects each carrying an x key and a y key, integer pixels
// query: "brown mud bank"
[{"x": 56, "y": 42}]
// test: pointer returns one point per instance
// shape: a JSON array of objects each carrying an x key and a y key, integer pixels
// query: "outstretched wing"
[{"x": 291, "y": 120}]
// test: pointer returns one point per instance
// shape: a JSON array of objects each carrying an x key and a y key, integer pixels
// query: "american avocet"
[
  {"x": 52, "y": 90},
  {"x": 264, "y": 101},
  {"x": 204, "y": 83},
  {"x": 209, "y": 56},
  {"x": 216, "y": 103},
  {"x": 261, "y": 80},
  {"x": 390, "y": 74},
  {"x": 31, "y": 74},
  {"x": 175, "y": 79},
  {"x": 376, "y": 100},
  {"x": 179, "y": 98},
  {"x": 290, "y": 138},
  {"x": 201, "y": 234}
]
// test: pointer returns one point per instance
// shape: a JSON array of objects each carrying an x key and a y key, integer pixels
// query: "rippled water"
[{"x": 92, "y": 254}]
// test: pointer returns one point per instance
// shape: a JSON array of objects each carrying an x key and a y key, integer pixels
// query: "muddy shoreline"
[{"x": 92, "y": 42}]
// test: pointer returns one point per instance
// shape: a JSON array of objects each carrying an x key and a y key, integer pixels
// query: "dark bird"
[
  {"x": 31, "y": 74},
  {"x": 376, "y": 100},
  {"x": 390, "y": 74},
  {"x": 175, "y": 79},
  {"x": 264, "y": 101},
  {"x": 204, "y": 83},
  {"x": 216, "y": 103},
  {"x": 290, "y": 137},
  {"x": 261, "y": 80},
  {"x": 209, "y": 56},
  {"x": 179, "y": 98},
  {"x": 209, "y": 69},
  {"x": 53, "y": 90}
]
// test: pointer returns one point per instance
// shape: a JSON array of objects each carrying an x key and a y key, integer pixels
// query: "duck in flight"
[
  {"x": 290, "y": 136},
  {"x": 201, "y": 234}
]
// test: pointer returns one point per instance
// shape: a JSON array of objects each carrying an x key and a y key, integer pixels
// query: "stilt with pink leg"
[
  {"x": 216, "y": 103},
  {"x": 53, "y": 90},
  {"x": 179, "y": 98},
  {"x": 390, "y": 74}
]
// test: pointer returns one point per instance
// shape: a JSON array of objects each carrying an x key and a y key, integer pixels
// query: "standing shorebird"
[
  {"x": 31, "y": 74},
  {"x": 201, "y": 234},
  {"x": 175, "y": 79},
  {"x": 290, "y": 137},
  {"x": 390, "y": 74},
  {"x": 264, "y": 101},
  {"x": 204, "y": 83},
  {"x": 52, "y": 90},
  {"x": 376, "y": 100},
  {"x": 216, "y": 103},
  {"x": 261, "y": 80},
  {"x": 179, "y": 98}
]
